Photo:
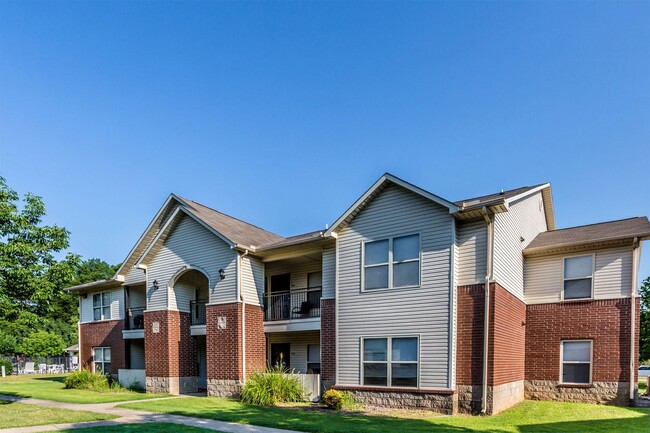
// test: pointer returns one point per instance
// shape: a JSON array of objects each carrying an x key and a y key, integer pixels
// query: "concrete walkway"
[{"x": 129, "y": 416}]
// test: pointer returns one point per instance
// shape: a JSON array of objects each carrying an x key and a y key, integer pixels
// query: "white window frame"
[
  {"x": 390, "y": 263},
  {"x": 389, "y": 360},
  {"x": 591, "y": 361},
  {"x": 102, "y": 362},
  {"x": 102, "y": 306},
  {"x": 593, "y": 275}
]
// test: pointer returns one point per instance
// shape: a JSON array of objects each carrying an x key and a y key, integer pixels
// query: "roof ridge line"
[{"x": 594, "y": 224}]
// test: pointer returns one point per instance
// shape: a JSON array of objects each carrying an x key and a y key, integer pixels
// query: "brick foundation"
[
  {"x": 170, "y": 353},
  {"x": 606, "y": 322},
  {"x": 445, "y": 402},
  {"x": 328, "y": 341},
  {"x": 107, "y": 333}
]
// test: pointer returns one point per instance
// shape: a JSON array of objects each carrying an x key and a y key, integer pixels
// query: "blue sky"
[{"x": 283, "y": 113}]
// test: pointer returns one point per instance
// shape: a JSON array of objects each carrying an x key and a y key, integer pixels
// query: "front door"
[
  {"x": 201, "y": 360},
  {"x": 280, "y": 355}
]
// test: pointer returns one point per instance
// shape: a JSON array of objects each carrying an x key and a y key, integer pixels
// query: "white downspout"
[
  {"x": 635, "y": 270},
  {"x": 486, "y": 312},
  {"x": 243, "y": 313},
  {"x": 79, "y": 358}
]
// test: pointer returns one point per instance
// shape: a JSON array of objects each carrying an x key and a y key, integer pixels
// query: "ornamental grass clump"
[
  {"x": 84, "y": 379},
  {"x": 272, "y": 386}
]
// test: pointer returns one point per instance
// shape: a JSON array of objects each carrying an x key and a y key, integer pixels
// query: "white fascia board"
[
  {"x": 387, "y": 177},
  {"x": 527, "y": 193}
]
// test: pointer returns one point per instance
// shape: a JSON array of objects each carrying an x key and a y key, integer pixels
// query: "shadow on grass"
[{"x": 51, "y": 379}]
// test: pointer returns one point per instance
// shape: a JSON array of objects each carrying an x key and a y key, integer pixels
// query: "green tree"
[
  {"x": 42, "y": 343},
  {"x": 8, "y": 345},
  {"x": 644, "y": 339}
]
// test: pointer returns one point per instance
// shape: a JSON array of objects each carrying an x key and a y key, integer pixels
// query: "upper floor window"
[
  {"x": 102, "y": 306},
  {"x": 576, "y": 361},
  {"x": 391, "y": 361},
  {"x": 392, "y": 262},
  {"x": 578, "y": 277}
]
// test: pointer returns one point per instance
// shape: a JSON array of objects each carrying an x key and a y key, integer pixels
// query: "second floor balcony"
[
  {"x": 292, "y": 305},
  {"x": 197, "y": 312}
]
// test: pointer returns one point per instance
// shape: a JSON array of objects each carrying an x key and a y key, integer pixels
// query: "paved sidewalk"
[{"x": 130, "y": 416}]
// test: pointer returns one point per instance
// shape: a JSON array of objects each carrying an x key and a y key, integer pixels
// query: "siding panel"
[
  {"x": 252, "y": 275},
  {"x": 298, "y": 347},
  {"x": 472, "y": 251},
  {"x": 329, "y": 273},
  {"x": 422, "y": 311}
]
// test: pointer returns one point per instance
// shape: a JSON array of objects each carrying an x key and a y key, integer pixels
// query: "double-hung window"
[
  {"x": 578, "y": 277},
  {"x": 102, "y": 306},
  {"x": 313, "y": 358},
  {"x": 102, "y": 359},
  {"x": 576, "y": 361},
  {"x": 392, "y": 262},
  {"x": 390, "y": 361}
]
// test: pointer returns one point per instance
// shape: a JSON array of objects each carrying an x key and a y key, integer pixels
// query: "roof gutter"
[
  {"x": 636, "y": 256},
  {"x": 486, "y": 312}
]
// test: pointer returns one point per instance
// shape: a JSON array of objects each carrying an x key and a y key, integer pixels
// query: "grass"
[
  {"x": 642, "y": 386},
  {"x": 25, "y": 415},
  {"x": 143, "y": 428},
  {"x": 527, "y": 417},
  {"x": 50, "y": 387}
]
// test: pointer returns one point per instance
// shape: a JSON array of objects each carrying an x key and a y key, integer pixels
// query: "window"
[
  {"x": 102, "y": 359},
  {"x": 102, "y": 306},
  {"x": 396, "y": 367},
  {"x": 578, "y": 277},
  {"x": 313, "y": 358},
  {"x": 576, "y": 362},
  {"x": 393, "y": 262}
]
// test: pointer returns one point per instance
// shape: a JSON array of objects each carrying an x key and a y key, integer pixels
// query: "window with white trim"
[
  {"x": 392, "y": 262},
  {"x": 102, "y": 359},
  {"x": 576, "y": 359},
  {"x": 578, "y": 277},
  {"x": 313, "y": 358},
  {"x": 102, "y": 306},
  {"x": 397, "y": 367}
]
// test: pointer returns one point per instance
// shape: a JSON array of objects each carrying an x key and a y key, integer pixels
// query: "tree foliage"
[
  {"x": 32, "y": 280},
  {"x": 644, "y": 340},
  {"x": 42, "y": 343}
]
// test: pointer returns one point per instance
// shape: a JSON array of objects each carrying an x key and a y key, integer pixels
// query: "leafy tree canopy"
[
  {"x": 644, "y": 342},
  {"x": 42, "y": 343}
]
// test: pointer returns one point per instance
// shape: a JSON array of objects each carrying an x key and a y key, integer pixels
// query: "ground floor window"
[
  {"x": 390, "y": 361},
  {"x": 313, "y": 358},
  {"x": 102, "y": 359},
  {"x": 576, "y": 360}
]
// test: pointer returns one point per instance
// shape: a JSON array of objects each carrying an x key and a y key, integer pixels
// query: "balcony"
[
  {"x": 295, "y": 306},
  {"x": 197, "y": 316},
  {"x": 134, "y": 323}
]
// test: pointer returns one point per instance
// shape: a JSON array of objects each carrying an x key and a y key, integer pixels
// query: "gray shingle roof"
[
  {"x": 592, "y": 233},
  {"x": 492, "y": 197},
  {"x": 237, "y": 231}
]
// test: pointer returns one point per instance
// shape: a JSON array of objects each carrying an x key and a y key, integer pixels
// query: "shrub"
[
  {"x": 9, "y": 368},
  {"x": 334, "y": 399},
  {"x": 84, "y": 379},
  {"x": 272, "y": 386}
]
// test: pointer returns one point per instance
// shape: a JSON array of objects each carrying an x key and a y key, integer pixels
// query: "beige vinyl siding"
[
  {"x": 472, "y": 252},
  {"x": 117, "y": 305},
  {"x": 423, "y": 311},
  {"x": 252, "y": 275},
  {"x": 524, "y": 219},
  {"x": 298, "y": 347},
  {"x": 191, "y": 244},
  {"x": 298, "y": 268},
  {"x": 137, "y": 354},
  {"x": 329, "y": 273},
  {"x": 544, "y": 276},
  {"x": 137, "y": 296},
  {"x": 134, "y": 276}
]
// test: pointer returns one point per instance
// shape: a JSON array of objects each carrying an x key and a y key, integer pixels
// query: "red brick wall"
[
  {"x": 469, "y": 338},
  {"x": 103, "y": 334},
  {"x": 507, "y": 337},
  {"x": 223, "y": 346},
  {"x": 255, "y": 339},
  {"x": 328, "y": 339},
  {"x": 606, "y": 322},
  {"x": 172, "y": 351}
]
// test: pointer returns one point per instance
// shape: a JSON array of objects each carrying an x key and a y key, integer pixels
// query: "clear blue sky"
[{"x": 283, "y": 113}]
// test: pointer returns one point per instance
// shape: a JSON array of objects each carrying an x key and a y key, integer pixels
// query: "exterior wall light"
[
  {"x": 156, "y": 286},
  {"x": 222, "y": 273}
]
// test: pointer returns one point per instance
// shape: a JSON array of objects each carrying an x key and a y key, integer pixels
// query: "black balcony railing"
[
  {"x": 295, "y": 304},
  {"x": 135, "y": 318},
  {"x": 197, "y": 311}
]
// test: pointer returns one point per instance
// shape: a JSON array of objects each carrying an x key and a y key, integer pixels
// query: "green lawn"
[
  {"x": 25, "y": 415},
  {"x": 143, "y": 428},
  {"x": 527, "y": 417},
  {"x": 642, "y": 386},
  {"x": 50, "y": 387}
]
